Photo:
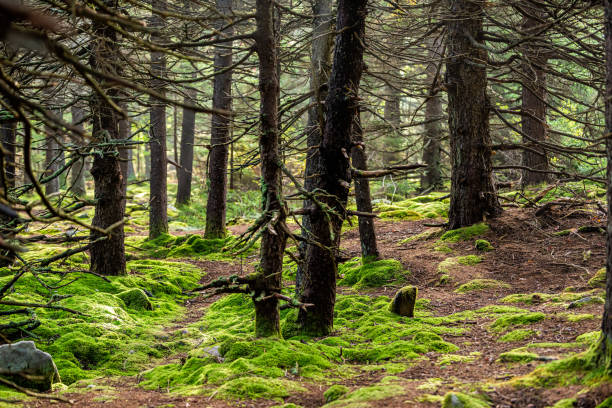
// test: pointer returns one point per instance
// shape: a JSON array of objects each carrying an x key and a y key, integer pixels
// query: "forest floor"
[{"x": 545, "y": 261}]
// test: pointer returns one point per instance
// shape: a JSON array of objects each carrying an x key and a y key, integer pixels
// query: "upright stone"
[
  {"x": 404, "y": 300},
  {"x": 28, "y": 366}
]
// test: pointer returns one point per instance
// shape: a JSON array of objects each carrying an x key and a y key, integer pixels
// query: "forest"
[{"x": 306, "y": 203}]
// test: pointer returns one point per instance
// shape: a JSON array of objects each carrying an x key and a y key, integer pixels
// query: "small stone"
[
  {"x": 404, "y": 300},
  {"x": 28, "y": 366}
]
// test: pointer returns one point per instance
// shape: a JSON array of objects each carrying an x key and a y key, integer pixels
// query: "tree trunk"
[
  {"x": 220, "y": 130},
  {"x": 274, "y": 238},
  {"x": 77, "y": 172},
  {"x": 319, "y": 281},
  {"x": 107, "y": 256},
  {"x": 320, "y": 66},
  {"x": 183, "y": 193},
  {"x": 367, "y": 234},
  {"x": 52, "y": 159},
  {"x": 533, "y": 120},
  {"x": 158, "y": 201},
  {"x": 124, "y": 134},
  {"x": 473, "y": 196},
  {"x": 392, "y": 116},
  {"x": 8, "y": 136},
  {"x": 603, "y": 356},
  {"x": 432, "y": 177}
]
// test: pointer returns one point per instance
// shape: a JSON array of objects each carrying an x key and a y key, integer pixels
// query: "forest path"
[{"x": 530, "y": 256}]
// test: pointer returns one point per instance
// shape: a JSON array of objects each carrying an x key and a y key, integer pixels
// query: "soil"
[{"x": 528, "y": 256}]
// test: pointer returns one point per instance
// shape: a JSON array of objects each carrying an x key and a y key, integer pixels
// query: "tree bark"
[
  {"x": 183, "y": 193},
  {"x": 367, "y": 233},
  {"x": 107, "y": 256},
  {"x": 158, "y": 201},
  {"x": 274, "y": 237},
  {"x": 319, "y": 286},
  {"x": 533, "y": 120},
  {"x": 124, "y": 134},
  {"x": 320, "y": 66},
  {"x": 432, "y": 177},
  {"x": 392, "y": 116},
  {"x": 52, "y": 157},
  {"x": 603, "y": 355},
  {"x": 77, "y": 172},
  {"x": 8, "y": 136},
  {"x": 220, "y": 130},
  {"x": 473, "y": 196}
]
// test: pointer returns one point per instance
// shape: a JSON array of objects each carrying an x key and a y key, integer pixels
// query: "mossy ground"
[{"x": 469, "y": 337}]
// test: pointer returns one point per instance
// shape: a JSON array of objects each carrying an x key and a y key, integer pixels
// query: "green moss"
[
  {"x": 607, "y": 403},
  {"x": 461, "y": 400},
  {"x": 371, "y": 274},
  {"x": 449, "y": 359},
  {"x": 599, "y": 279},
  {"x": 257, "y": 387},
  {"x": 517, "y": 335},
  {"x": 443, "y": 248},
  {"x": 430, "y": 233},
  {"x": 404, "y": 301},
  {"x": 572, "y": 317},
  {"x": 589, "y": 337},
  {"x": 401, "y": 214},
  {"x": 513, "y": 356},
  {"x": 563, "y": 233},
  {"x": 480, "y": 284},
  {"x": 469, "y": 259},
  {"x": 565, "y": 403},
  {"x": 465, "y": 233},
  {"x": 483, "y": 245},
  {"x": 519, "y": 319},
  {"x": 135, "y": 299},
  {"x": 416, "y": 208},
  {"x": 363, "y": 395},
  {"x": 335, "y": 392}
]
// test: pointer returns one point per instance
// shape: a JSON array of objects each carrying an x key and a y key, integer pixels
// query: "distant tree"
[
  {"x": 77, "y": 171},
  {"x": 8, "y": 138},
  {"x": 183, "y": 191}
]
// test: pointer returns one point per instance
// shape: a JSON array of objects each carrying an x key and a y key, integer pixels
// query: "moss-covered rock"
[
  {"x": 599, "y": 279},
  {"x": 480, "y": 284},
  {"x": 135, "y": 299},
  {"x": 404, "y": 300},
  {"x": 371, "y": 274},
  {"x": 461, "y": 400},
  {"x": 483, "y": 245},
  {"x": 465, "y": 233},
  {"x": 335, "y": 392}
]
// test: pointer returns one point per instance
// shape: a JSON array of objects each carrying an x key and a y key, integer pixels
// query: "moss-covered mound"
[
  {"x": 465, "y": 233},
  {"x": 599, "y": 279},
  {"x": 371, "y": 274},
  {"x": 461, "y": 400},
  {"x": 480, "y": 284},
  {"x": 119, "y": 329},
  {"x": 428, "y": 206},
  {"x": 188, "y": 246}
]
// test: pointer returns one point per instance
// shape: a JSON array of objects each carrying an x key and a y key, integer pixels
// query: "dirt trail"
[{"x": 528, "y": 256}]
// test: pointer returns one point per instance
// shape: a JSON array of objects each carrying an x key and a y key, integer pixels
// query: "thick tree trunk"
[
  {"x": 473, "y": 196},
  {"x": 158, "y": 201},
  {"x": 432, "y": 177},
  {"x": 533, "y": 120},
  {"x": 108, "y": 255},
  {"x": 183, "y": 193},
  {"x": 220, "y": 131},
  {"x": 77, "y": 172},
  {"x": 319, "y": 282},
  {"x": 604, "y": 351},
  {"x": 8, "y": 137},
  {"x": 274, "y": 238},
  {"x": 320, "y": 66},
  {"x": 367, "y": 233}
]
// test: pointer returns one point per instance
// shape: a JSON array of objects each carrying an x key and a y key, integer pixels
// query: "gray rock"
[
  {"x": 404, "y": 300},
  {"x": 28, "y": 366}
]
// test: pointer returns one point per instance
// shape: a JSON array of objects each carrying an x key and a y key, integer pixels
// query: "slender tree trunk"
[
  {"x": 320, "y": 66},
  {"x": 274, "y": 238},
  {"x": 183, "y": 193},
  {"x": 8, "y": 137},
  {"x": 367, "y": 233},
  {"x": 158, "y": 212},
  {"x": 392, "y": 115},
  {"x": 432, "y": 177},
  {"x": 124, "y": 134},
  {"x": 604, "y": 352},
  {"x": 220, "y": 131},
  {"x": 52, "y": 159},
  {"x": 533, "y": 120},
  {"x": 473, "y": 196},
  {"x": 108, "y": 255},
  {"x": 319, "y": 282},
  {"x": 77, "y": 172}
]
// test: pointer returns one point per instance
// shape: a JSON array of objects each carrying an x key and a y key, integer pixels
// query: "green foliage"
[
  {"x": 189, "y": 246},
  {"x": 135, "y": 299},
  {"x": 480, "y": 284},
  {"x": 371, "y": 274},
  {"x": 461, "y": 400},
  {"x": 483, "y": 245},
  {"x": 599, "y": 279},
  {"x": 334, "y": 392},
  {"x": 520, "y": 319},
  {"x": 384, "y": 389},
  {"x": 416, "y": 208},
  {"x": 517, "y": 335},
  {"x": 465, "y": 233},
  {"x": 514, "y": 356}
]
